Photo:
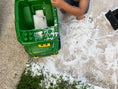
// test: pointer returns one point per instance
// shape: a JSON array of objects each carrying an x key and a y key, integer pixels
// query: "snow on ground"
[
  {"x": 89, "y": 48},
  {"x": 51, "y": 77}
]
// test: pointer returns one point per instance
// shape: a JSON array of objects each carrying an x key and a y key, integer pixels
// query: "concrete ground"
[{"x": 12, "y": 55}]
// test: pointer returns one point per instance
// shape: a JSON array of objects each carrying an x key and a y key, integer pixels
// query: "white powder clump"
[
  {"x": 39, "y": 23},
  {"x": 39, "y": 20}
]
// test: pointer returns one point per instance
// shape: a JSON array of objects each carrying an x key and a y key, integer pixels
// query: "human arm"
[{"x": 76, "y": 11}]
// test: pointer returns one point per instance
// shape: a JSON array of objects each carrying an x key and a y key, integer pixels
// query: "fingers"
[{"x": 53, "y": 1}]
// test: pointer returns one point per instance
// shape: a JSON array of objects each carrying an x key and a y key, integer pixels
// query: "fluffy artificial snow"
[
  {"x": 39, "y": 69},
  {"x": 39, "y": 23},
  {"x": 89, "y": 48},
  {"x": 39, "y": 20}
]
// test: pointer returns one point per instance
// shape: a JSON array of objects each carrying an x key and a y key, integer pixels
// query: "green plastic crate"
[{"x": 35, "y": 45}]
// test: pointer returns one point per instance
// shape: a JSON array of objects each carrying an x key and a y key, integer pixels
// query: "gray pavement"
[{"x": 12, "y": 54}]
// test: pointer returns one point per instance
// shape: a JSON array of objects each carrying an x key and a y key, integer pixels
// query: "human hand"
[
  {"x": 80, "y": 17},
  {"x": 57, "y": 3}
]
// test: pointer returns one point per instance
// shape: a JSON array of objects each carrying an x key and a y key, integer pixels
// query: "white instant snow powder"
[
  {"x": 39, "y": 23},
  {"x": 39, "y": 20}
]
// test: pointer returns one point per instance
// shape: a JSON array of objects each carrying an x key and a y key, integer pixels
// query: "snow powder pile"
[
  {"x": 39, "y": 20},
  {"x": 39, "y": 69},
  {"x": 39, "y": 23}
]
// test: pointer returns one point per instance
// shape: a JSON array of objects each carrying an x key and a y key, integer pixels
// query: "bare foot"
[
  {"x": 64, "y": 12},
  {"x": 80, "y": 18}
]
